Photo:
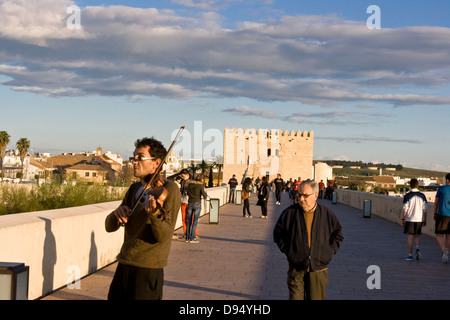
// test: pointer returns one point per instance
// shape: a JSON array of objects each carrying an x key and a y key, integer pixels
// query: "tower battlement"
[
  {"x": 292, "y": 133},
  {"x": 267, "y": 152}
]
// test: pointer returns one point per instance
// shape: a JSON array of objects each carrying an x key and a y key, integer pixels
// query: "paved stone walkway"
[{"x": 236, "y": 259}]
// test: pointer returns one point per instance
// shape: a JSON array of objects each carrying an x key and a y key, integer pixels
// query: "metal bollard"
[
  {"x": 214, "y": 210},
  {"x": 334, "y": 198},
  {"x": 367, "y": 208}
]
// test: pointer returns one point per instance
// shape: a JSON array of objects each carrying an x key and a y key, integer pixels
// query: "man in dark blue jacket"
[{"x": 309, "y": 234}]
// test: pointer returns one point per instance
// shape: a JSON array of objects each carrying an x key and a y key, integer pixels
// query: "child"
[
  {"x": 414, "y": 217},
  {"x": 245, "y": 195}
]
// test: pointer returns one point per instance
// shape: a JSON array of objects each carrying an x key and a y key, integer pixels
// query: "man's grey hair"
[{"x": 313, "y": 184}]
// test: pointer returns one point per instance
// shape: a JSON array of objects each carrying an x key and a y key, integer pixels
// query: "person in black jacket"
[
  {"x": 263, "y": 197},
  {"x": 233, "y": 184},
  {"x": 309, "y": 234}
]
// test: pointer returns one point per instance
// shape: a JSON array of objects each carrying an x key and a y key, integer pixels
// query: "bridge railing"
[{"x": 387, "y": 207}]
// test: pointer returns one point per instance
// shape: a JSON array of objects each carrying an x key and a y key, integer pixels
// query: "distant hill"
[
  {"x": 348, "y": 163},
  {"x": 400, "y": 171}
]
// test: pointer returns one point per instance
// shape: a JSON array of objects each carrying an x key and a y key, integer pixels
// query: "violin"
[
  {"x": 154, "y": 186},
  {"x": 160, "y": 194}
]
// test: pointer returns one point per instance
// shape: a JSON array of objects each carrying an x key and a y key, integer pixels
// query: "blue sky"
[{"x": 146, "y": 69}]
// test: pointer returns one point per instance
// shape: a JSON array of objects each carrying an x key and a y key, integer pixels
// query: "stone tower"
[{"x": 264, "y": 152}]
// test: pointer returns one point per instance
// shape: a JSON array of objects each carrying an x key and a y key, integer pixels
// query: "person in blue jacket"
[{"x": 442, "y": 217}]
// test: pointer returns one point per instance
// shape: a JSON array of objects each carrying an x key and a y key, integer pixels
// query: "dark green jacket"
[
  {"x": 147, "y": 238},
  {"x": 195, "y": 191}
]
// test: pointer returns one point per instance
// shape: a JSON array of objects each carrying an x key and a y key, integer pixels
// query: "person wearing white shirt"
[{"x": 414, "y": 217}]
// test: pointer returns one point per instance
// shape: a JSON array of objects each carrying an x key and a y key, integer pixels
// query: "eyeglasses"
[
  {"x": 305, "y": 195},
  {"x": 141, "y": 158}
]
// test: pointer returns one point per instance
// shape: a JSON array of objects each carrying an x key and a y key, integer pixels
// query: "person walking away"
[
  {"x": 321, "y": 189},
  {"x": 279, "y": 186},
  {"x": 442, "y": 217},
  {"x": 309, "y": 234},
  {"x": 263, "y": 197},
  {"x": 414, "y": 217},
  {"x": 296, "y": 186},
  {"x": 289, "y": 186},
  {"x": 233, "y": 183},
  {"x": 148, "y": 234},
  {"x": 195, "y": 192}
]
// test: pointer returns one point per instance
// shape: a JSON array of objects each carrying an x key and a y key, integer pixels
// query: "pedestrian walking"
[
  {"x": 442, "y": 217},
  {"x": 321, "y": 189},
  {"x": 414, "y": 217},
  {"x": 279, "y": 187},
  {"x": 195, "y": 192},
  {"x": 185, "y": 176},
  {"x": 263, "y": 196},
  {"x": 289, "y": 188},
  {"x": 295, "y": 190},
  {"x": 309, "y": 234},
  {"x": 232, "y": 183}
]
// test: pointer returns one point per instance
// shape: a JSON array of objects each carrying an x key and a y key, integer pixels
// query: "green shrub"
[{"x": 48, "y": 196}]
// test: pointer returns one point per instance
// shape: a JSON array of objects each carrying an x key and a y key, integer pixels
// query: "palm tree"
[
  {"x": 219, "y": 165},
  {"x": 193, "y": 168},
  {"x": 211, "y": 175},
  {"x": 202, "y": 166},
  {"x": 4, "y": 140},
  {"x": 22, "y": 145}
]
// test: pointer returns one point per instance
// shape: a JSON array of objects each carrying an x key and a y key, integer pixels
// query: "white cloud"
[
  {"x": 36, "y": 21},
  {"x": 199, "y": 4},
  {"x": 365, "y": 138},
  {"x": 124, "y": 51},
  {"x": 340, "y": 157},
  {"x": 217, "y": 4},
  {"x": 249, "y": 111}
]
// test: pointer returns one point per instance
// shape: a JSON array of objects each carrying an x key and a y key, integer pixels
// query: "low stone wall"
[
  {"x": 386, "y": 207},
  {"x": 62, "y": 245}
]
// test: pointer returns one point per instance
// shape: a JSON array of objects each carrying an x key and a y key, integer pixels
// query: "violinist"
[{"x": 149, "y": 223}]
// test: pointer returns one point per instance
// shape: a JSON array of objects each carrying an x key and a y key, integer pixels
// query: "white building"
[
  {"x": 426, "y": 182},
  {"x": 322, "y": 171},
  {"x": 172, "y": 164}
]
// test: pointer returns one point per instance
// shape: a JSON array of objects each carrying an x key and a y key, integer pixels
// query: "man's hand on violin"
[
  {"x": 153, "y": 205},
  {"x": 122, "y": 213}
]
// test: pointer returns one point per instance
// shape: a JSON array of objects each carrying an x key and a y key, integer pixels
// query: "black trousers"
[
  {"x": 264, "y": 208},
  {"x": 278, "y": 194},
  {"x": 133, "y": 283},
  {"x": 246, "y": 207}
]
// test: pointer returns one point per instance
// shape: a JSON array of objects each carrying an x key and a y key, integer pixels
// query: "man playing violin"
[{"x": 148, "y": 232}]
